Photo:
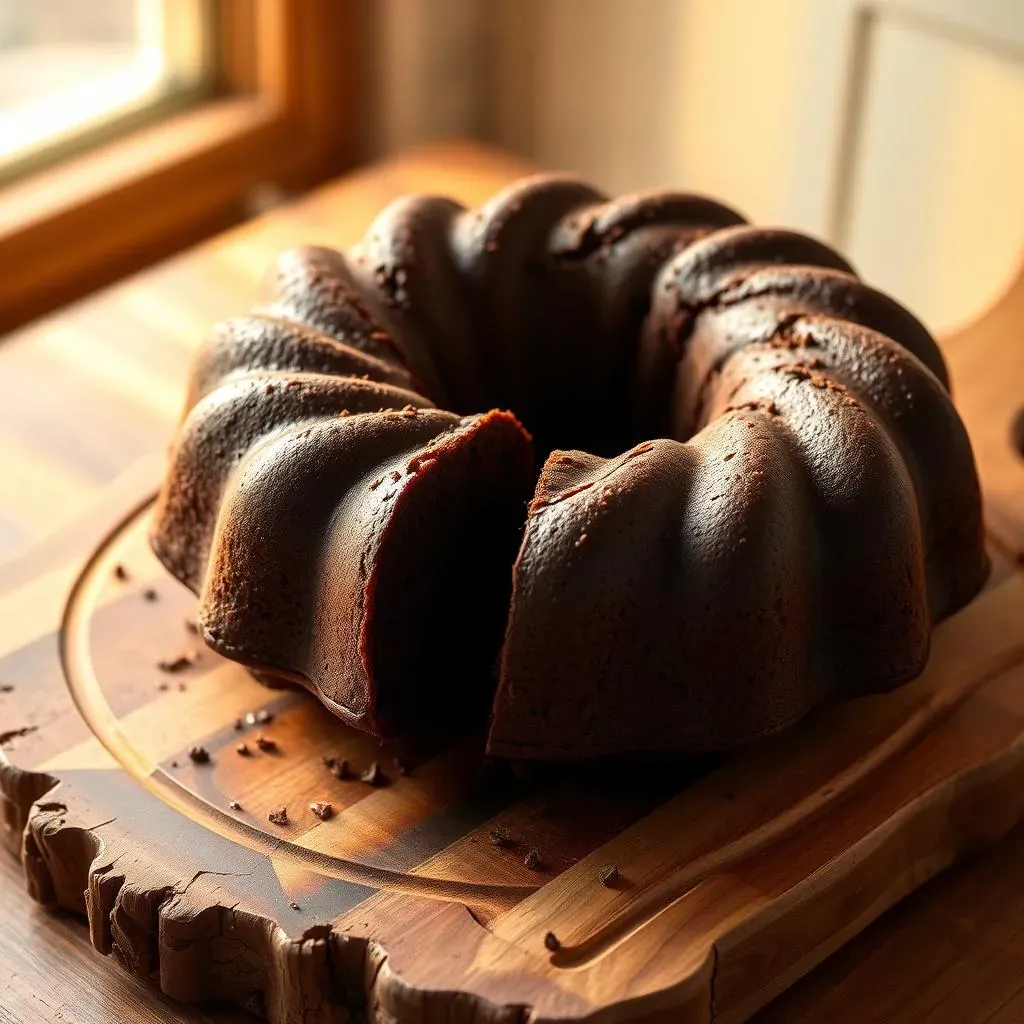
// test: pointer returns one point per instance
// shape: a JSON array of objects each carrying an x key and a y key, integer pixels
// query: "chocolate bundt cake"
[{"x": 754, "y": 492}]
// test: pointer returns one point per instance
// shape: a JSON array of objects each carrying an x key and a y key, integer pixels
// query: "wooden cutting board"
[{"x": 414, "y": 899}]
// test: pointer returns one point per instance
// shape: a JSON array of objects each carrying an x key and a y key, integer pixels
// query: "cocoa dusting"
[
  {"x": 551, "y": 942},
  {"x": 266, "y": 744},
  {"x": 278, "y": 816},
  {"x": 200, "y": 755},
  {"x": 610, "y": 876},
  {"x": 322, "y": 809},
  {"x": 532, "y": 860},
  {"x": 374, "y": 776},
  {"x": 501, "y": 838}
]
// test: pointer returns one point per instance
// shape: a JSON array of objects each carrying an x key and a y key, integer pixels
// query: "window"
[
  {"x": 130, "y": 128},
  {"x": 72, "y": 72}
]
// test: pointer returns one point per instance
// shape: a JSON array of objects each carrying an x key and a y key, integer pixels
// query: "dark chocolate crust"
[{"x": 755, "y": 493}]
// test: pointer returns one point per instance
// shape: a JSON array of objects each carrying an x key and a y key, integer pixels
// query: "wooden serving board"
[{"x": 413, "y": 901}]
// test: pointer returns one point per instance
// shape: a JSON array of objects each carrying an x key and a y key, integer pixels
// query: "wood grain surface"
[{"x": 84, "y": 394}]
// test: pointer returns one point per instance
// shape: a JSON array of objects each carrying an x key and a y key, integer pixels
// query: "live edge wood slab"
[{"x": 412, "y": 901}]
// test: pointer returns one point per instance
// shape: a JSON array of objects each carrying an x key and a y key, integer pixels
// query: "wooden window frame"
[{"x": 284, "y": 113}]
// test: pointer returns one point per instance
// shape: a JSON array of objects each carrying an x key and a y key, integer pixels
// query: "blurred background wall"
[{"x": 895, "y": 128}]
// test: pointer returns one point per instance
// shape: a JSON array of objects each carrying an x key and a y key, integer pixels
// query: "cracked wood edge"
[{"x": 181, "y": 931}]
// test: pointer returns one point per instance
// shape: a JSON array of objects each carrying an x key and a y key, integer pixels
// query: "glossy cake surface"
[{"x": 754, "y": 493}]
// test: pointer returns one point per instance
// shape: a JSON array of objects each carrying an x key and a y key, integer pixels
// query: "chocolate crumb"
[
  {"x": 235, "y": 805},
  {"x": 337, "y": 766},
  {"x": 278, "y": 816},
  {"x": 322, "y": 809},
  {"x": 374, "y": 776},
  {"x": 551, "y": 942},
  {"x": 610, "y": 876},
  {"x": 200, "y": 755},
  {"x": 532, "y": 860},
  {"x": 121, "y": 573},
  {"x": 149, "y": 594},
  {"x": 178, "y": 664},
  {"x": 501, "y": 838},
  {"x": 266, "y": 744},
  {"x": 243, "y": 750},
  {"x": 6, "y": 688},
  {"x": 294, "y": 905}
]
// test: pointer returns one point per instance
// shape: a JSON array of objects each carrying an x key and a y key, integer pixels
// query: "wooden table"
[{"x": 86, "y": 393}]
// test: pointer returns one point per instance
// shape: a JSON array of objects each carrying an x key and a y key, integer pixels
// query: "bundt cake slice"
[{"x": 330, "y": 521}]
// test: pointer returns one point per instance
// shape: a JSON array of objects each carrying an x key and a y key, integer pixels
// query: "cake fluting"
[{"x": 732, "y": 472}]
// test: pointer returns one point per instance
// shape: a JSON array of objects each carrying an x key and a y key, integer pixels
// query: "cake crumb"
[
  {"x": 266, "y": 744},
  {"x": 337, "y": 766},
  {"x": 278, "y": 816},
  {"x": 235, "y": 805},
  {"x": 6, "y": 688},
  {"x": 610, "y": 876},
  {"x": 374, "y": 776},
  {"x": 501, "y": 838},
  {"x": 551, "y": 942},
  {"x": 322, "y": 809},
  {"x": 581, "y": 540},
  {"x": 239, "y": 725},
  {"x": 149, "y": 594},
  {"x": 121, "y": 573},
  {"x": 178, "y": 664},
  {"x": 532, "y": 860},
  {"x": 200, "y": 755},
  {"x": 243, "y": 750},
  {"x": 294, "y": 905},
  {"x": 260, "y": 717}
]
